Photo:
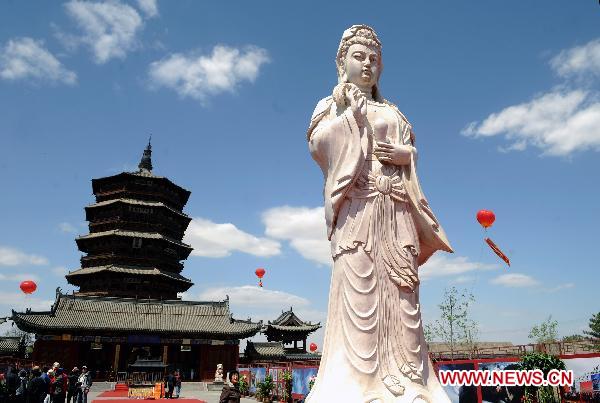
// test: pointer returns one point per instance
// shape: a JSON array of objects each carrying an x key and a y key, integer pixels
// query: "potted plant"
[
  {"x": 258, "y": 394},
  {"x": 243, "y": 385},
  {"x": 264, "y": 388},
  {"x": 287, "y": 386},
  {"x": 311, "y": 382}
]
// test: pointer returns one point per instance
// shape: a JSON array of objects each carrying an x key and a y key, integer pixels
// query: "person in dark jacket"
[
  {"x": 177, "y": 384},
  {"x": 169, "y": 385},
  {"x": 73, "y": 381},
  {"x": 12, "y": 383},
  {"x": 36, "y": 387},
  {"x": 231, "y": 394},
  {"x": 21, "y": 392}
]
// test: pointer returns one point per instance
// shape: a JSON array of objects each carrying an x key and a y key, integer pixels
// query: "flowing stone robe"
[{"x": 381, "y": 229}]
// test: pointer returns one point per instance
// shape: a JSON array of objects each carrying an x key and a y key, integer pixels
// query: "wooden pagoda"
[
  {"x": 127, "y": 305},
  {"x": 134, "y": 248}
]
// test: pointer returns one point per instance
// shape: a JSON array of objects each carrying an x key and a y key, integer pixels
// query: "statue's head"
[{"x": 359, "y": 58}]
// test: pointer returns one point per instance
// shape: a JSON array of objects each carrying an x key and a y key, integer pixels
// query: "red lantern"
[
  {"x": 28, "y": 286},
  {"x": 313, "y": 347},
  {"x": 486, "y": 218},
  {"x": 260, "y": 272}
]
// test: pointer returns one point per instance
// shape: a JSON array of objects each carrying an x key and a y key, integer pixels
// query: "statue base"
[{"x": 215, "y": 386}]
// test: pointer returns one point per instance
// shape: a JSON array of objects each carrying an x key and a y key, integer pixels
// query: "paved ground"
[{"x": 189, "y": 390}]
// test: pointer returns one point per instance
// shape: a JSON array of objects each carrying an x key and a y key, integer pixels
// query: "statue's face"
[{"x": 362, "y": 66}]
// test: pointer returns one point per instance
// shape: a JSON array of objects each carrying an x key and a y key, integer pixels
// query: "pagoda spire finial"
[{"x": 146, "y": 161}]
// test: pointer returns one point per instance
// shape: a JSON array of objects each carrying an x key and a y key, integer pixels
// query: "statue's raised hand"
[
  {"x": 349, "y": 95},
  {"x": 358, "y": 103}
]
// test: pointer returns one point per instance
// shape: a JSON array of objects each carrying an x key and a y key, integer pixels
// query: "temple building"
[
  {"x": 286, "y": 341},
  {"x": 12, "y": 347},
  {"x": 127, "y": 306}
]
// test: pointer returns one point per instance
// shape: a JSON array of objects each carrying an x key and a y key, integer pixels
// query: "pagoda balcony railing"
[
  {"x": 125, "y": 245},
  {"x": 161, "y": 227},
  {"x": 141, "y": 194},
  {"x": 121, "y": 260},
  {"x": 160, "y": 216}
]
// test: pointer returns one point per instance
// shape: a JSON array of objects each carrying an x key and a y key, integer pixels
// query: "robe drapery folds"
[{"x": 340, "y": 146}]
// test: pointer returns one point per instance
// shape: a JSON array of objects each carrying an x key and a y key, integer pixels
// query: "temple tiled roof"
[
  {"x": 299, "y": 328},
  {"x": 289, "y": 318},
  {"x": 9, "y": 345},
  {"x": 130, "y": 270},
  {"x": 81, "y": 314},
  {"x": 288, "y": 325},
  {"x": 136, "y": 203},
  {"x": 265, "y": 350},
  {"x": 274, "y": 351},
  {"x": 302, "y": 357}
]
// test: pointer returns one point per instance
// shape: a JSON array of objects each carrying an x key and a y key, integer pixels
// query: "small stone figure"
[{"x": 219, "y": 374}]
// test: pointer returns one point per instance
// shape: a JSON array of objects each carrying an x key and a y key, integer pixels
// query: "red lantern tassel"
[{"x": 497, "y": 251}]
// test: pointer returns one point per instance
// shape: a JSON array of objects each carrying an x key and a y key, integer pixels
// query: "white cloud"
[
  {"x": 26, "y": 58},
  {"x": 558, "y": 123},
  {"x": 211, "y": 239},
  {"x": 197, "y": 76},
  {"x": 579, "y": 60},
  {"x": 560, "y": 287},
  {"x": 14, "y": 257},
  {"x": 255, "y": 297},
  {"x": 148, "y": 7},
  {"x": 442, "y": 265},
  {"x": 303, "y": 227},
  {"x": 109, "y": 28},
  {"x": 67, "y": 228},
  {"x": 515, "y": 280}
]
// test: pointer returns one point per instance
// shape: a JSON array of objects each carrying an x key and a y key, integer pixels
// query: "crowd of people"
[{"x": 46, "y": 385}]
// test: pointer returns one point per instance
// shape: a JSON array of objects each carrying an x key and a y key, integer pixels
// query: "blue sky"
[{"x": 503, "y": 97}]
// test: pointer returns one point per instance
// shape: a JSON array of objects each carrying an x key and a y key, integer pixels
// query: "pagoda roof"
[
  {"x": 80, "y": 314},
  {"x": 134, "y": 234},
  {"x": 299, "y": 328},
  {"x": 289, "y": 321},
  {"x": 151, "y": 271},
  {"x": 10, "y": 345},
  {"x": 137, "y": 203},
  {"x": 144, "y": 174}
]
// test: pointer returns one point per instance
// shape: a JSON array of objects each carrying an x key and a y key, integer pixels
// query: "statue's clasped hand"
[{"x": 394, "y": 154}]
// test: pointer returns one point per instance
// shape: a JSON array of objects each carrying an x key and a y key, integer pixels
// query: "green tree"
[
  {"x": 573, "y": 338},
  {"x": 545, "y": 332},
  {"x": 545, "y": 363},
  {"x": 594, "y": 331},
  {"x": 455, "y": 324}
]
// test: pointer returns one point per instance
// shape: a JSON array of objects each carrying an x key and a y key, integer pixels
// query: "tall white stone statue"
[{"x": 381, "y": 230}]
